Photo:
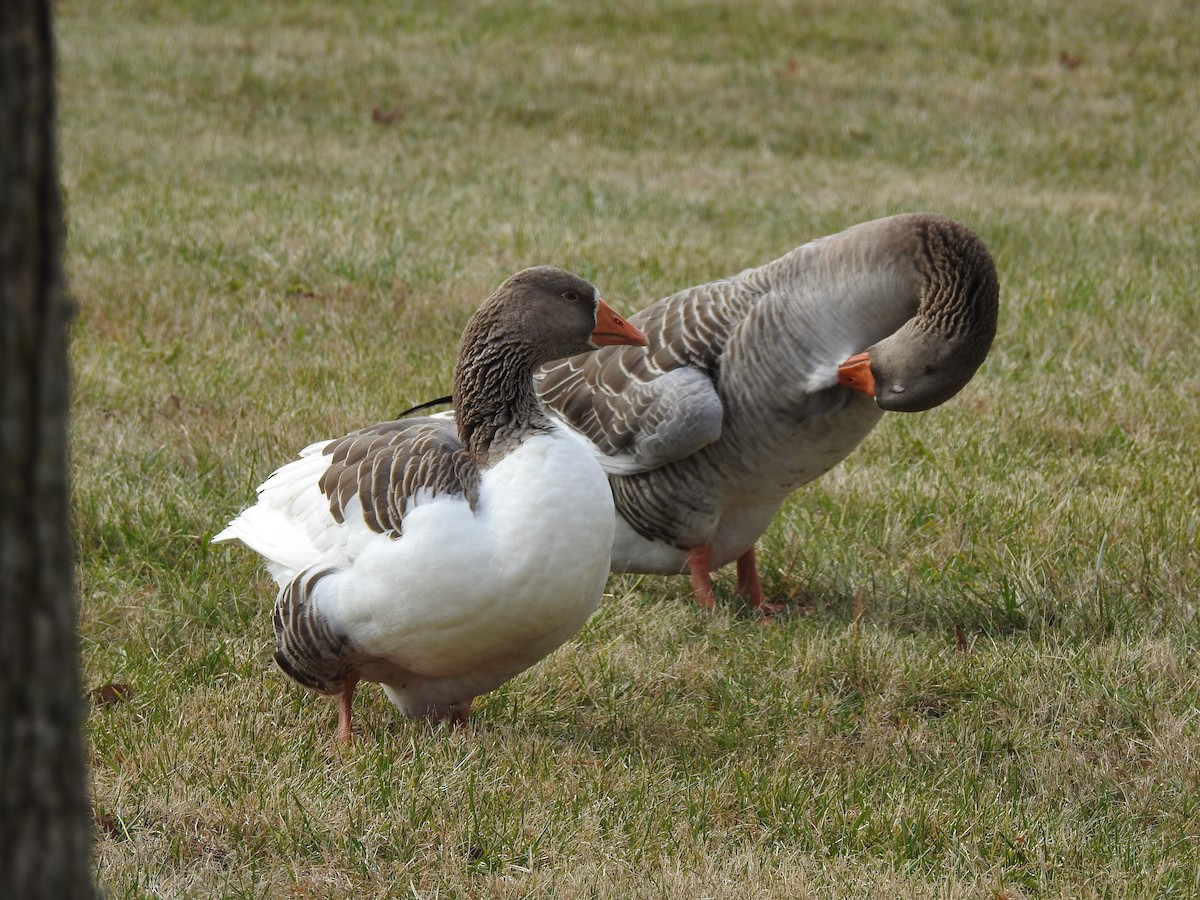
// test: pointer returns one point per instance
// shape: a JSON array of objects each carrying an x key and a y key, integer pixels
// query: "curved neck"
[
  {"x": 822, "y": 303},
  {"x": 842, "y": 294},
  {"x": 851, "y": 289},
  {"x": 960, "y": 291}
]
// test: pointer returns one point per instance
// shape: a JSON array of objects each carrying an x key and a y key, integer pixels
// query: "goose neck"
[{"x": 496, "y": 406}]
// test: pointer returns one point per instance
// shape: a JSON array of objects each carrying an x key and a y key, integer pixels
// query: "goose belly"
[
  {"x": 727, "y": 494},
  {"x": 465, "y": 599},
  {"x": 735, "y": 530}
]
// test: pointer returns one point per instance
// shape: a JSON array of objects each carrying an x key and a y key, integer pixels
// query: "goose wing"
[
  {"x": 388, "y": 468},
  {"x": 644, "y": 407},
  {"x": 329, "y": 504}
]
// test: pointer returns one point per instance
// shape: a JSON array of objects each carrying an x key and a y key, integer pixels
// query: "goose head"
[
  {"x": 536, "y": 316},
  {"x": 932, "y": 356},
  {"x": 545, "y": 313},
  {"x": 914, "y": 370}
]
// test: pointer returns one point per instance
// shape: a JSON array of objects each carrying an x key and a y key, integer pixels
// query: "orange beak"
[
  {"x": 855, "y": 373},
  {"x": 612, "y": 329}
]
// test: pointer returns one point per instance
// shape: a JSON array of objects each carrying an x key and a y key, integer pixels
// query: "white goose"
[
  {"x": 441, "y": 558},
  {"x": 754, "y": 385}
]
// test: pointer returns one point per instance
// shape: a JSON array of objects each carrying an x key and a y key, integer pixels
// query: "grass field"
[{"x": 281, "y": 215}]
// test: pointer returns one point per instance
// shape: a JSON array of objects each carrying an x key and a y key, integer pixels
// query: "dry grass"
[{"x": 281, "y": 215}]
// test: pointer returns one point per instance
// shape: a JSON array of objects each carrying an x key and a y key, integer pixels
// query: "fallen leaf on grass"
[
  {"x": 387, "y": 116},
  {"x": 108, "y": 694},
  {"x": 1069, "y": 61},
  {"x": 107, "y": 823}
]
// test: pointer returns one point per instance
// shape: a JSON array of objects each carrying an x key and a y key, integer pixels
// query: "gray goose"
[
  {"x": 441, "y": 558},
  {"x": 754, "y": 385}
]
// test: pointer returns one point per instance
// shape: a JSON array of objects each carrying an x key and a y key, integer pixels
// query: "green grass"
[{"x": 987, "y": 685}]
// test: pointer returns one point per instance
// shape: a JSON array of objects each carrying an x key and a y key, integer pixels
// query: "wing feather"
[{"x": 391, "y": 467}]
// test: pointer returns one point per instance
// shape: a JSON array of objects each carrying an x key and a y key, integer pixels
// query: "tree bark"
[{"x": 45, "y": 818}]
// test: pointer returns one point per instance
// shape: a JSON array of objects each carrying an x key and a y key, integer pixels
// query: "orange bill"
[
  {"x": 855, "y": 373},
  {"x": 612, "y": 329}
]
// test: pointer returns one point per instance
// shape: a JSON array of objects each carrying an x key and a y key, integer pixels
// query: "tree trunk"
[{"x": 45, "y": 819}]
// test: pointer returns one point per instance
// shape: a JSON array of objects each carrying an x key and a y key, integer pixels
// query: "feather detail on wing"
[
  {"x": 644, "y": 407},
  {"x": 393, "y": 466}
]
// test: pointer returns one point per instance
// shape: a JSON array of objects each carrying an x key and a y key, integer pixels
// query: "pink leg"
[
  {"x": 699, "y": 560},
  {"x": 749, "y": 585},
  {"x": 345, "y": 701}
]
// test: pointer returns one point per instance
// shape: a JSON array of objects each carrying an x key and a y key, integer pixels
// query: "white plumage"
[
  {"x": 437, "y": 557},
  {"x": 467, "y": 598}
]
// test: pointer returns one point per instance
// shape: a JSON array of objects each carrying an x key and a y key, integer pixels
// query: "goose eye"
[{"x": 570, "y": 295}]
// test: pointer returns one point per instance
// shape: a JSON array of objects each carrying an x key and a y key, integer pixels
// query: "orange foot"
[{"x": 748, "y": 583}]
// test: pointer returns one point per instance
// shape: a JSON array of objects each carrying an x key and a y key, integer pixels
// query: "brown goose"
[
  {"x": 754, "y": 385},
  {"x": 441, "y": 558}
]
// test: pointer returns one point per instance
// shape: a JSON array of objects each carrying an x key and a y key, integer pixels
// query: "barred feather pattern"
[
  {"x": 306, "y": 648},
  {"x": 391, "y": 466},
  {"x": 953, "y": 265}
]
